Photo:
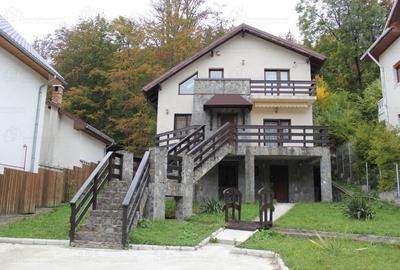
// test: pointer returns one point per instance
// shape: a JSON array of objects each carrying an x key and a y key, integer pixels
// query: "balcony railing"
[
  {"x": 274, "y": 136},
  {"x": 283, "y": 88}
]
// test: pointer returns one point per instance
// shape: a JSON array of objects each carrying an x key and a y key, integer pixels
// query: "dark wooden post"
[{"x": 72, "y": 223}]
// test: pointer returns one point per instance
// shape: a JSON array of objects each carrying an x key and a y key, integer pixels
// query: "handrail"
[
  {"x": 207, "y": 148},
  {"x": 134, "y": 195},
  {"x": 173, "y": 135},
  {"x": 285, "y": 87},
  {"x": 86, "y": 196},
  {"x": 281, "y": 135},
  {"x": 198, "y": 147},
  {"x": 198, "y": 130}
]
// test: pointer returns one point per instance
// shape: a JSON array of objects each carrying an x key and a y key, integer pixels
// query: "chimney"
[{"x": 57, "y": 95}]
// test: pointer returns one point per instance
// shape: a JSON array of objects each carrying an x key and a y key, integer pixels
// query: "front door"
[
  {"x": 227, "y": 117},
  {"x": 227, "y": 177},
  {"x": 279, "y": 176}
]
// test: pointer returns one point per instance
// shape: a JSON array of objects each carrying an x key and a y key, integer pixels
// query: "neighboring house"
[
  {"x": 34, "y": 133},
  {"x": 385, "y": 52},
  {"x": 263, "y": 86}
]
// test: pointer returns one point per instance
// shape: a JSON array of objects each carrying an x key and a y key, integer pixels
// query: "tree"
[{"x": 343, "y": 31}]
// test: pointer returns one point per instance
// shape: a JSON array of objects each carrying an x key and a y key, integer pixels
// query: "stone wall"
[{"x": 205, "y": 89}]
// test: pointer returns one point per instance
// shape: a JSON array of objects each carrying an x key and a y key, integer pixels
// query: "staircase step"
[{"x": 91, "y": 244}]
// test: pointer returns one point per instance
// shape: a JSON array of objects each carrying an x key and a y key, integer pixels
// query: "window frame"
[
  {"x": 186, "y": 120},
  {"x": 278, "y": 71},
  {"x": 216, "y": 69},
  {"x": 185, "y": 80}
]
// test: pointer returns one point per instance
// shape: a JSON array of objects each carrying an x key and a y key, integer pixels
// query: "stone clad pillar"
[
  {"x": 127, "y": 166},
  {"x": 158, "y": 173},
  {"x": 326, "y": 177},
  {"x": 184, "y": 204},
  {"x": 249, "y": 193}
]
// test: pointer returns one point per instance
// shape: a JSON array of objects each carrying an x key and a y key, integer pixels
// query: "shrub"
[
  {"x": 211, "y": 206},
  {"x": 358, "y": 207}
]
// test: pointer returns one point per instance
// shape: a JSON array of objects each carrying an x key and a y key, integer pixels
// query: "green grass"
[
  {"x": 184, "y": 233},
  {"x": 329, "y": 217},
  {"x": 52, "y": 225},
  {"x": 299, "y": 253}
]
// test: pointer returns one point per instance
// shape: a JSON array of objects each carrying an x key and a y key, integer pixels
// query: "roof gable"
[
  {"x": 390, "y": 34},
  {"x": 14, "y": 43},
  {"x": 317, "y": 59}
]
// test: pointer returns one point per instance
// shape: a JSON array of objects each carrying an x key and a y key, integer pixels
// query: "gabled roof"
[
  {"x": 316, "y": 59},
  {"x": 81, "y": 125},
  {"x": 390, "y": 34},
  {"x": 13, "y": 42}
]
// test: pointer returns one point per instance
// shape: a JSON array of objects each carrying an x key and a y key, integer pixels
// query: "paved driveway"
[{"x": 210, "y": 257}]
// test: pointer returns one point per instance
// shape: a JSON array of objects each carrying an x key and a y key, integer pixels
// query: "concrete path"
[
  {"x": 210, "y": 257},
  {"x": 236, "y": 237}
]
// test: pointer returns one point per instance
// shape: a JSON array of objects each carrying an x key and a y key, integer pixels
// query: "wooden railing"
[
  {"x": 174, "y": 164},
  {"x": 305, "y": 136},
  {"x": 134, "y": 196},
  {"x": 170, "y": 138},
  {"x": 276, "y": 88},
  {"x": 87, "y": 194},
  {"x": 207, "y": 148}
]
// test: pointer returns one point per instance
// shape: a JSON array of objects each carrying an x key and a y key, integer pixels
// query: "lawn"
[
  {"x": 189, "y": 232},
  {"x": 299, "y": 253},
  {"x": 329, "y": 217},
  {"x": 52, "y": 225}
]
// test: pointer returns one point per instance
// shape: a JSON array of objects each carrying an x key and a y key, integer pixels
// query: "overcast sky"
[{"x": 35, "y": 19}]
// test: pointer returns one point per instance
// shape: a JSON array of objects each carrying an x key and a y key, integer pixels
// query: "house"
[
  {"x": 385, "y": 52},
  {"x": 34, "y": 132},
  {"x": 262, "y": 87}
]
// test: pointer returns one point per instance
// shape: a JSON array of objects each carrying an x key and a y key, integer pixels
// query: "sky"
[{"x": 35, "y": 19}]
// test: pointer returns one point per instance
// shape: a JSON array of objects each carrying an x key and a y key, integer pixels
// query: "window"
[
  {"x": 277, "y": 135},
  {"x": 187, "y": 86},
  {"x": 397, "y": 69},
  {"x": 216, "y": 73},
  {"x": 182, "y": 120},
  {"x": 276, "y": 75}
]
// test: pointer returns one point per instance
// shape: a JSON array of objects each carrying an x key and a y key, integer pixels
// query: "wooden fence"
[{"x": 21, "y": 192}]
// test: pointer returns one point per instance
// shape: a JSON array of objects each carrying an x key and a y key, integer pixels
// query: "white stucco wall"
[
  {"x": 19, "y": 92},
  {"x": 391, "y": 93},
  {"x": 240, "y": 57},
  {"x": 65, "y": 147}
]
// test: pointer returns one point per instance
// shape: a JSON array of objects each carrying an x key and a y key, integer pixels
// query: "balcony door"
[
  {"x": 277, "y": 132},
  {"x": 275, "y": 75},
  {"x": 227, "y": 117}
]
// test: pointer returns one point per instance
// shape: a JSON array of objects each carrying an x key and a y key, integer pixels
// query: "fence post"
[
  {"x": 366, "y": 175},
  {"x": 398, "y": 181}
]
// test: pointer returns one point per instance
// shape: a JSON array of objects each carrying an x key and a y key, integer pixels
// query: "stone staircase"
[{"x": 103, "y": 226}]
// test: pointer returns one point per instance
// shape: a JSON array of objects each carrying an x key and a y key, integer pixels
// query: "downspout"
[
  {"x": 37, "y": 119},
  {"x": 382, "y": 70}
]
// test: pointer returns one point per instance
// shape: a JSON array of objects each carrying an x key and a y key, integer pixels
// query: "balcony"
[{"x": 283, "y": 88}]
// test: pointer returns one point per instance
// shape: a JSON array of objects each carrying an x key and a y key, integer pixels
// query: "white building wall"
[
  {"x": 391, "y": 93},
  {"x": 240, "y": 57},
  {"x": 65, "y": 147},
  {"x": 19, "y": 93}
]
